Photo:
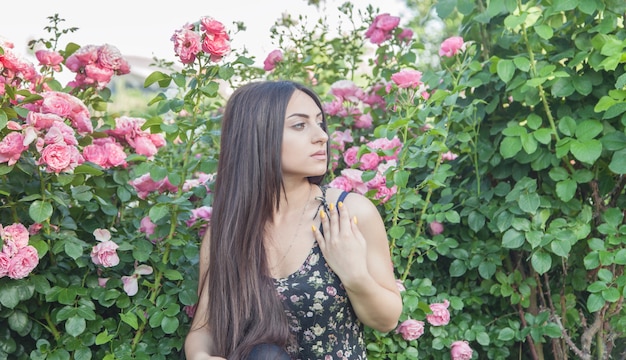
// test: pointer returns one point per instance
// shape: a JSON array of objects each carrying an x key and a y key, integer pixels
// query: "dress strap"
[{"x": 342, "y": 196}]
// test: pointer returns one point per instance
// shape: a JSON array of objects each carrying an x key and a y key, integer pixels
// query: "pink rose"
[
  {"x": 381, "y": 28},
  {"x": 146, "y": 226},
  {"x": 440, "y": 314},
  {"x": 105, "y": 254},
  {"x": 435, "y": 228},
  {"x": 190, "y": 310},
  {"x": 451, "y": 46},
  {"x": 16, "y": 233},
  {"x": 131, "y": 285},
  {"x": 60, "y": 157},
  {"x": 347, "y": 90},
  {"x": 212, "y": 26},
  {"x": 110, "y": 57},
  {"x": 406, "y": 35},
  {"x": 11, "y": 148},
  {"x": 23, "y": 262},
  {"x": 49, "y": 58},
  {"x": 341, "y": 182},
  {"x": 460, "y": 350},
  {"x": 369, "y": 161},
  {"x": 144, "y": 146},
  {"x": 364, "y": 121},
  {"x": 449, "y": 156},
  {"x": 273, "y": 58},
  {"x": 5, "y": 260},
  {"x": 186, "y": 45},
  {"x": 411, "y": 329},
  {"x": 407, "y": 78},
  {"x": 216, "y": 45},
  {"x": 350, "y": 155}
]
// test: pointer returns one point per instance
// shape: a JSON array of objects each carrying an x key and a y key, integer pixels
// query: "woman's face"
[{"x": 304, "y": 139}]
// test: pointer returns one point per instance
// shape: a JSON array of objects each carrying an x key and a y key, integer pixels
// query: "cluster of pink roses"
[
  {"x": 45, "y": 126},
  {"x": 144, "y": 185},
  {"x": 94, "y": 65},
  {"x": 382, "y": 29},
  {"x": 54, "y": 122},
  {"x": 214, "y": 41},
  {"x": 128, "y": 130},
  {"x": 17, "y": 258},
  {"x": 353, "y": 102},
  {"x": 381, "y": 154},
  {"x": 412, "y": 329},
  {"x": 15, "y": 70}
]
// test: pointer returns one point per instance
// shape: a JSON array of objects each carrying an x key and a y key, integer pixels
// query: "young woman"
[{"x": 289, "y": 269}]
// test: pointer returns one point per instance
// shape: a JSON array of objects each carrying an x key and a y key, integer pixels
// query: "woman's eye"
[{"x": 298, "y": 126}]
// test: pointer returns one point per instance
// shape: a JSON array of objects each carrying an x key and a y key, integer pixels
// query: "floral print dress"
[{"x": 320, "y": 313}]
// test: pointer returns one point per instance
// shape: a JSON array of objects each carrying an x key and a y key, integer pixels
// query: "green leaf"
[
  {"x": 130, "y": 319},
  {"x": 567, "y": 125},
  {"x": 618, "y": 162},
  {"x": 566, "y": 189},
  {"x": 158, "y": 212},
  {"x": 506, "y": 334},
  {"x": 401, "y": 178},
  {"x": 563, "y": 87},
  {"x": 476, "y": 220},
  {"x": 561, "y": 248},
  {"x": 582, "y": 85},
  {"x": 522, "y": 63},
  {"x": 544, "y": 31},
  {"x": 595, "y": 302},
  {"x": 40, "y": 211},
  {"x": 611, "y": 294},
  {"x": 541, "y": 261},
  {"x": 588, "y": 129},
  {"x": 587, "y": 151},
  {"x": 161, "y": 77},
  {"x": 510, "y": 146},
  {"x": 552, "y": 330},
  {"x": 169, "y": 324},
  {"x": 529, "y": 202},
  {"x": 565, "y": 5},
  {"x": 457, "y": 268},
  {"x": 543, "y": 135},
  {"x": 505, "y": 70},
  {"x": 20, "y": 323},
  {"x": 172, "y": 274},
  {"x": 75, "y": 326},
  {"x": 512, "y": 239}
]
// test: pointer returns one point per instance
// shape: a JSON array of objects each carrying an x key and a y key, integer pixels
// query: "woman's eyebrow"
[{"x": 303, "y": 115}]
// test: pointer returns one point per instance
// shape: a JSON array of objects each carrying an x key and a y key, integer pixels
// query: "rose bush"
[{"x": 499, "y": 173}]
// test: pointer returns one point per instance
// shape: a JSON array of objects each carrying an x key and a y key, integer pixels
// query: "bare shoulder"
[{"x": 358, "y": 205}]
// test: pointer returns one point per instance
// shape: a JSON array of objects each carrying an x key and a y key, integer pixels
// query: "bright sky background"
[{"x": 143, "y": 28}]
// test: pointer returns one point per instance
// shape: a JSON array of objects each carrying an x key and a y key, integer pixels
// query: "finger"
[
  {"x": 318, "y": 236},
  {"x": 325, "y": 225},
  {"x": 334, "y": 221},
  {"x": 344, "y": 218}
]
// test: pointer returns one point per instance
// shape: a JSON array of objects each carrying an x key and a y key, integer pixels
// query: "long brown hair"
[{"x": 244, "y": 309}]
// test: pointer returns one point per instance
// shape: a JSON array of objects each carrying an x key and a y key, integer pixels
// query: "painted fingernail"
[
  {"x": 313, "y": 228},
  {"x": 354, "y": 219},
  {"x": 322, "y": 214},
  {"x": 340, "y": 205},
  {"x": 331, "y": 206}
]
